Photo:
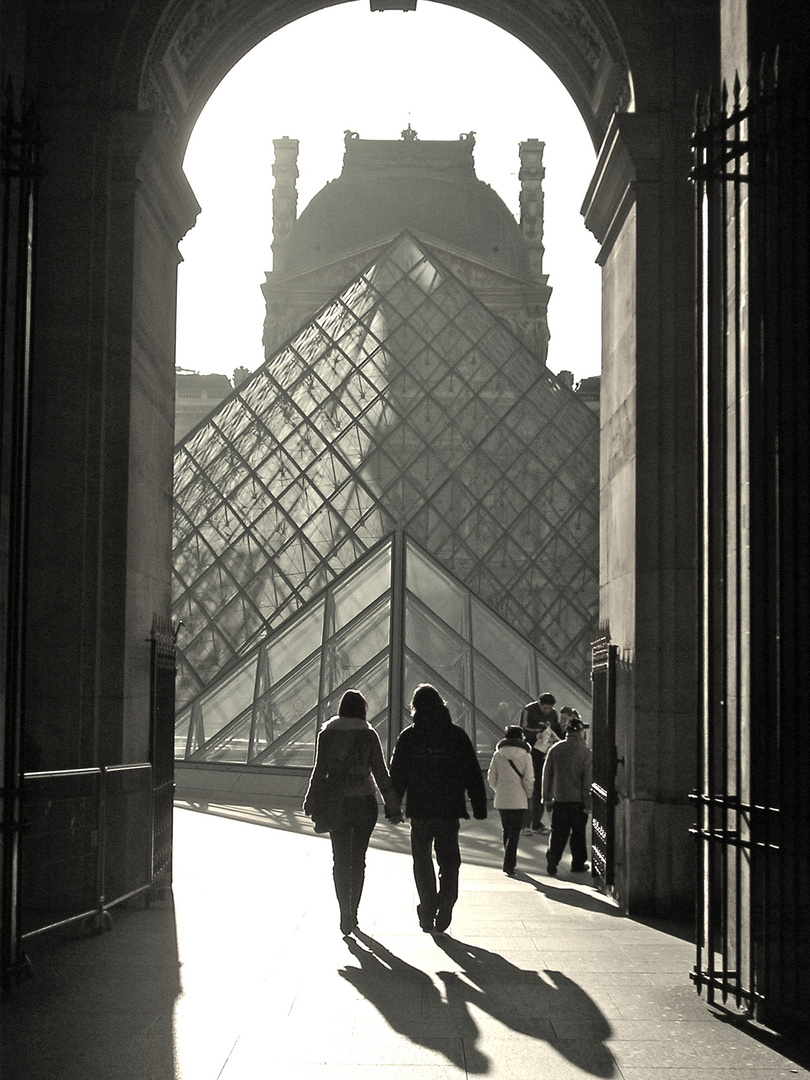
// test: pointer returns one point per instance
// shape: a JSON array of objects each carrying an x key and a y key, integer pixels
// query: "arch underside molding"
[{"x": 196, "y": 43}]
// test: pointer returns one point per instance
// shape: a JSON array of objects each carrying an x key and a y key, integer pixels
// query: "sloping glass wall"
[
  {"x": 405, "y": 405},
  {"x": 267, "y": 709}
]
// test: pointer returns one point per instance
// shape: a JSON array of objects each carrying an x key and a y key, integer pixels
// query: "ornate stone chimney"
[
  {"x": 531, "y": 203},
  {"x": 285, "y": 197}
]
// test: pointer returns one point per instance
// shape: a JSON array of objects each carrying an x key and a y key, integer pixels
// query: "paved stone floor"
[{"x": 245, "y": 976}]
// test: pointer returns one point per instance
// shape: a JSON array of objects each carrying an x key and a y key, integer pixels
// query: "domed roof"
[{"x": 389, "y": 186}]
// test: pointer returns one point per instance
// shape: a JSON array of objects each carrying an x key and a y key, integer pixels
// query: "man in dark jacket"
[
  {"x": 433, "y": 767},
  {"x": 567, "y": 778}
]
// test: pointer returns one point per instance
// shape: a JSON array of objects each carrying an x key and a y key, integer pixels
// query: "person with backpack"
[
  {"x": 511, "y": 777},
  {"x": 341, "y": 797},
  {"x": 434, "y": 768}
]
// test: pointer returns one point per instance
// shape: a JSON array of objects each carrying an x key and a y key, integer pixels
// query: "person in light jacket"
[{"x": 511, "y": 777}]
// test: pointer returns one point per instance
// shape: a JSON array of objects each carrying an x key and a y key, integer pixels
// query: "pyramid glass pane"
[
  {"x": 404, "y": 405},
  {"x": 300, "y": 639},
  {"x": 426, "y": 635},
  {"x": 357, "y": 591},
  {"x": 267, "y": 709},
  {"x": 436, "y": 590},
  {"x": 351, "y": 650}
]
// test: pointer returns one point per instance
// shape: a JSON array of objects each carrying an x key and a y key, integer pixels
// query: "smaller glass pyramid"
[{"x": 394, "y": 620}]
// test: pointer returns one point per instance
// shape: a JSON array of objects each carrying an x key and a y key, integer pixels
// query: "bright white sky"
[{"x": 441, "y": 70}]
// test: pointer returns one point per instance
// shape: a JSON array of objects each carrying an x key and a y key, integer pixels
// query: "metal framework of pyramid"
[
  {"x": 393, "y": 621},
  {"x": 405, "y": 407}
]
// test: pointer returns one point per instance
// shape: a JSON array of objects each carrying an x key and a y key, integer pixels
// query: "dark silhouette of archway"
[{"x": 192, "y": 49}]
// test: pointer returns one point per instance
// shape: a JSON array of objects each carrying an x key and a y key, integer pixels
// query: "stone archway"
[
  {"x": 196, "y": 44},
  {"x": 120, "y": 93}
]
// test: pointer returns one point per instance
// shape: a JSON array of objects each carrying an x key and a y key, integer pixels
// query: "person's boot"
[
  {"x": 348, "y": 922},
  {"x": 427, "y": 919},
  {"x": 444, "y": 916}
]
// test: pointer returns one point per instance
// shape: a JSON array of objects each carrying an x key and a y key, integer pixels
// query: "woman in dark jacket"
[{"x": 349, "y": 756}]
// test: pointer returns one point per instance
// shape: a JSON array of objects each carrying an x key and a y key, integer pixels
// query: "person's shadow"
[
  {"x": 559, "y": 893},
  {"x": 412, "y": 1004},
  {"x": 550, "y": 1008}
]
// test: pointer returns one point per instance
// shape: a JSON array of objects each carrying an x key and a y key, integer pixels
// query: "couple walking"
[{"x": 433, "y": 769}]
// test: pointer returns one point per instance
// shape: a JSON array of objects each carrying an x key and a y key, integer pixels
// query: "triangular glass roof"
[
  {"x": 395, "y": 620},
  {"x": 404, "y": 405}
]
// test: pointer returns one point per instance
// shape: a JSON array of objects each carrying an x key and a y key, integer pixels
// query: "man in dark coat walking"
[{"x": 433, "y": 768}]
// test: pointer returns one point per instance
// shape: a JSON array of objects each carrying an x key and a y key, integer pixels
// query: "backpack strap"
[{"x": 514, "y": 766}]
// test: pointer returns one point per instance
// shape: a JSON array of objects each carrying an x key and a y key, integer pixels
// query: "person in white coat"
[{"x": 511, "y": 777}]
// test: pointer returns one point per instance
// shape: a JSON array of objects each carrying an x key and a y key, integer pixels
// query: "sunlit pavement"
[{"x": 248, "y": 977}]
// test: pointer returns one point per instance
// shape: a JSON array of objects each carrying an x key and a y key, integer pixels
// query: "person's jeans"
[
  {"x": 349, "y": 846},
  {"x": 568, "y": 820},
  {"x": 534, "y": 814},
  {"x": 441, "y": 834},
  {"x": 512, "y": 821}
]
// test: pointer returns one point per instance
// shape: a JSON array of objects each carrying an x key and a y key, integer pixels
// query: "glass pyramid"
[
  {"x": 394, "y": 620},
  {"x": 404, "y": 406}
]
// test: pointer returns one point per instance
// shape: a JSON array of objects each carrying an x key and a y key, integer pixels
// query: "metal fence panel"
[
  {"x": 127, "y": 833},
  {"x": 60, "y": 847},
  {"x": 86, "y": 843}
]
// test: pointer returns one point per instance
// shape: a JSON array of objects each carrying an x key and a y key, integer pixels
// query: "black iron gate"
[
  {"x": 603, "y": 790},
  {"x": 752, "y": 179},
  {"x": 19, "y": 174},
  {"x": 164, "y": 670}
]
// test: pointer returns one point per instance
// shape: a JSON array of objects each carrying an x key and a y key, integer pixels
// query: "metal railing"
[{"x": 86, "y": 844}]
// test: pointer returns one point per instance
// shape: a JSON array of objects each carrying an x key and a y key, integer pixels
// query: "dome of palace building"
[{"x": 427, "y": 187}]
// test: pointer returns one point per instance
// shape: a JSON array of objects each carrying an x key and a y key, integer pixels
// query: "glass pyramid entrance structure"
[
  {"x": 404, "y": 407},
  {"x": 391, "y": 622}
]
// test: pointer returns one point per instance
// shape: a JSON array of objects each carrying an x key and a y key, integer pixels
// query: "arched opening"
[
  {"x": 104, "y": 503},
  {"x": 636, "y": 195},
  {"x": 537, "y": 568},
  {"x": 120, "y": 88}
]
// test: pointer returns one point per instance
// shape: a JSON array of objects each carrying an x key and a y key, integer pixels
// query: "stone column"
[
  {"x": 531, "y": 177},
  {"x": 114, "y": 205},
  {"x": 285, "y": 198},
  {"x": 639, "y": 206}
]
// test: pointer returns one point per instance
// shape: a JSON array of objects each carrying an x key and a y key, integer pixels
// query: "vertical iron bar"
[
  {"x": 19, "y": 163},
  {"x": 741, "y": 344},
  {"x": 765, "y": 167},
  {"x": 702, "y": 267},
  {"x": 396, "y": 673},
  {"x": 470, "y": 646},
  {"x": 722, "y": 744},
  {"x": 101, "y": 848}
]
